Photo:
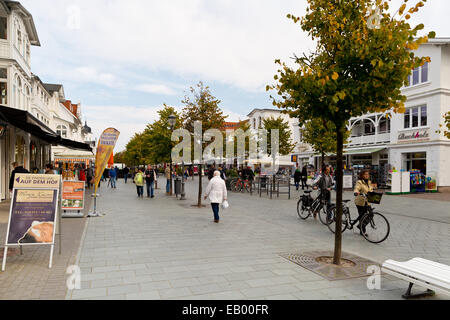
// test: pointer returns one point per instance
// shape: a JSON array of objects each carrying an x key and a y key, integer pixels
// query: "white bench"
[{"x": 433, "y": 276}]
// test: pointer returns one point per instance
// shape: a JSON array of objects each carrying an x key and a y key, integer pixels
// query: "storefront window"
[
  {"x": 416, "y": 161},
  {"x": 20, "y": 150}
]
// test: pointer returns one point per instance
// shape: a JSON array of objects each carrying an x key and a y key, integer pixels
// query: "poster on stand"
[
  {"x": 73, "y": 195},
  {"x": 33, "y": 216}
]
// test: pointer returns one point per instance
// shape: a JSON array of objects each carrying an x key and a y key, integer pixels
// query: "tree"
[
  {"x": 119, "y": 157},
  {"x": 447, "y": 123},
  {"x": 285, "y": 141},
  {"x": 158, "y": 136},
  {"x": 363, "y": 57},
  {"x": 203, "y": 107},
  {"x": 322, "y": 137},
  {"x": 136, "y": 151}
]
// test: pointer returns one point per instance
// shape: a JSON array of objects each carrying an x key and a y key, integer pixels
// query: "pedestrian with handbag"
[{"x": 217, "y": 193}]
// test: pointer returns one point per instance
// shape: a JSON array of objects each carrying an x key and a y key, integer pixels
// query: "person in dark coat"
[
  {"x": 304, "y": 178},
  {"x": 17, "y": 169},
  {"x": 297, "y": 178}
]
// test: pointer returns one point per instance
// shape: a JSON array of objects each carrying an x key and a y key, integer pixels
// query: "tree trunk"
[
  {"x": 200, "y": 191},
  {"x": 339, "y": 190}
]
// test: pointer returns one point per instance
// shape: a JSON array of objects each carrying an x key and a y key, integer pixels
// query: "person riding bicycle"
[
  {"x": 363, "y": 187},
  {"x": 325, "y": 184}
]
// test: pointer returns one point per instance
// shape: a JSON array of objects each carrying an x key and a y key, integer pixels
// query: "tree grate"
[{"x": 309, "y": 260}]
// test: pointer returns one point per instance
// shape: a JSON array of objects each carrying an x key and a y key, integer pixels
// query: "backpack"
[{"x": 140, "y": 179}]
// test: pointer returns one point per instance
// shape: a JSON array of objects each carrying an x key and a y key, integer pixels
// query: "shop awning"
[
  {"x": 28, "y": 123},
  {"x": 363, "y": 151}
]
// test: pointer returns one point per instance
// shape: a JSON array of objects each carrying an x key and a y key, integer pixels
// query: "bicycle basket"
[{"x": 374, "y": 197}]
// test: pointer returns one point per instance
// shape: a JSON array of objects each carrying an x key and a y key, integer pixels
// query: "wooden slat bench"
[{"x": 433, "y": 276}]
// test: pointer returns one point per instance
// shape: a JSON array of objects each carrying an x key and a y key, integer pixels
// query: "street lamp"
[{"x": 172, "y": 122}]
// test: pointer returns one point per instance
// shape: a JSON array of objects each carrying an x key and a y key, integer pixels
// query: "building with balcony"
[{"x": 28, "y": 111}]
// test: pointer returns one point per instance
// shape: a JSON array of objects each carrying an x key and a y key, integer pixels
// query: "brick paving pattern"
[
  {"x": 163, "y": 249},
  {"x": 27, "y": 276}
]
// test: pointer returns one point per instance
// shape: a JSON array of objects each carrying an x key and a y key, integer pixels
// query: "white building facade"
[{"x": 29, "y": 114}]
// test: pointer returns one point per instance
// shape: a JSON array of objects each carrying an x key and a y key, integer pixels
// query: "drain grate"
[{"x": 309, "y": 261}]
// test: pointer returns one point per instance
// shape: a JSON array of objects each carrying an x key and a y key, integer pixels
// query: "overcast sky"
[{"x": 123, "y": 59}]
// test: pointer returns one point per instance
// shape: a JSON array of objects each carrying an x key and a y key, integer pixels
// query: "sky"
[{"x": 124, "y": 59}]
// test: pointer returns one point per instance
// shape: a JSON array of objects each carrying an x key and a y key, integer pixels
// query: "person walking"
[
  {"x": 126, "y": 171},
  {"x": 211, "y": 171},
  {"x": 363, "y": 186},
  {"x": 82, "y": 175},
  {"x": 17, "y": 168},
  {"x": 113, "y": 177},
  {"x": 304, "y": 178},
  {"x": 139, "y": 181},
  {"x": 150, "y": 178},
  {"x": 222, "y": 174},
  {"x": 217, "y": 193},
  {"x": 297, "y": 178},
  {"x": 89, "y": 177},
  {"x": 168, "y": 176}
]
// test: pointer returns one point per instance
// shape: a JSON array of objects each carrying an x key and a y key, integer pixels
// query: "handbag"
[{"x": 225, "y": 205}]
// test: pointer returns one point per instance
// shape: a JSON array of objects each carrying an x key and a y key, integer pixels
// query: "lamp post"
[
  {"x": 172, "y": 122},
  {"x": 183, "y": 193}
]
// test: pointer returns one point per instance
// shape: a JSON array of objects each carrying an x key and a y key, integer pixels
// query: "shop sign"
[
  {"x": 37, "y": 181},
  {"x": 419, "y": 135}
]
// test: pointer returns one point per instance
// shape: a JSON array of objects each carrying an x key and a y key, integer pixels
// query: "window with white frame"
[
  {"x": 419, "y": 75},
  {"x": 416, "y": 117},
  {"x": 62, "y": 131},
  {"x": 3, "y": 86}
]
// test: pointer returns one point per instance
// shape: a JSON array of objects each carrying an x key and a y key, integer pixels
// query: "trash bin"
[{"x": 177, "y": 186}]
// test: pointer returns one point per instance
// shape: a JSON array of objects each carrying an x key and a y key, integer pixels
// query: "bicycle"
[
  {"x": 240, "y": 185},
  {"x": 374, "y": 227},
  {"x": 307, "y": 206}
]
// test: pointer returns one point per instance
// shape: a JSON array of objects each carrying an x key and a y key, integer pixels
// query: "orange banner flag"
[
  {"x": 105, "y": 150},
  {"x": 111, "y": 160}
]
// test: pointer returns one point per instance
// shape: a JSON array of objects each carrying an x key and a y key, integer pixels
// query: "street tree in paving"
[
  {"x": 204, "y": 108},
  {"x": 321, "y": 136},
  {"x": 363, "y": 57}
]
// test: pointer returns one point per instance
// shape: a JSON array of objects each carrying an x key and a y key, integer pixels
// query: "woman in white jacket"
[{"x": 217, "y": 193}]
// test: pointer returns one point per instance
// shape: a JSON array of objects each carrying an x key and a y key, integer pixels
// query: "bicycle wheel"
[
  {"x": 233, "y": 186},
  {"x": 302, "y": 211},
  {"x": 324, "y": 216},
  {"x": 332, "y": 220},
  {"x": 375, "y": 227}
]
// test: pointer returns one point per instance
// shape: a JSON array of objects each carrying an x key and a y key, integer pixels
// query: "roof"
[
  {"x": 27, "y": 20},
  {"x": 438, "y": 41},
  {"x": 52, "y": 87},
  {"x": 256, "y": 110}
]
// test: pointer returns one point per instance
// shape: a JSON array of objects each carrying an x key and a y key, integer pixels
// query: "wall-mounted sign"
[{"x": 414, "y": 136}]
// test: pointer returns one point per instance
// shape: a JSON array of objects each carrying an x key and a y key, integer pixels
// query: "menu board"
[{"x": 73, "y": 195}]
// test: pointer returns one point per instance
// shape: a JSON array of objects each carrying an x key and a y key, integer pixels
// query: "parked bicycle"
[
  {"x": 240, "y": 185},
  {"x": 374, "y": 227},
  {"x": 307, "y": 206}
]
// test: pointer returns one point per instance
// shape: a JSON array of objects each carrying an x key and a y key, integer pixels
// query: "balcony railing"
[{"x": 370, "y": 139}]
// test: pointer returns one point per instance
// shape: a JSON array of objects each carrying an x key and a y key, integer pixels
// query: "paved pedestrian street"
[{"x": 164, "y": 248}]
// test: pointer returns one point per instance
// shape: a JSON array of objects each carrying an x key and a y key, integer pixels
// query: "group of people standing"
[{"x": 301, "y": 176}]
